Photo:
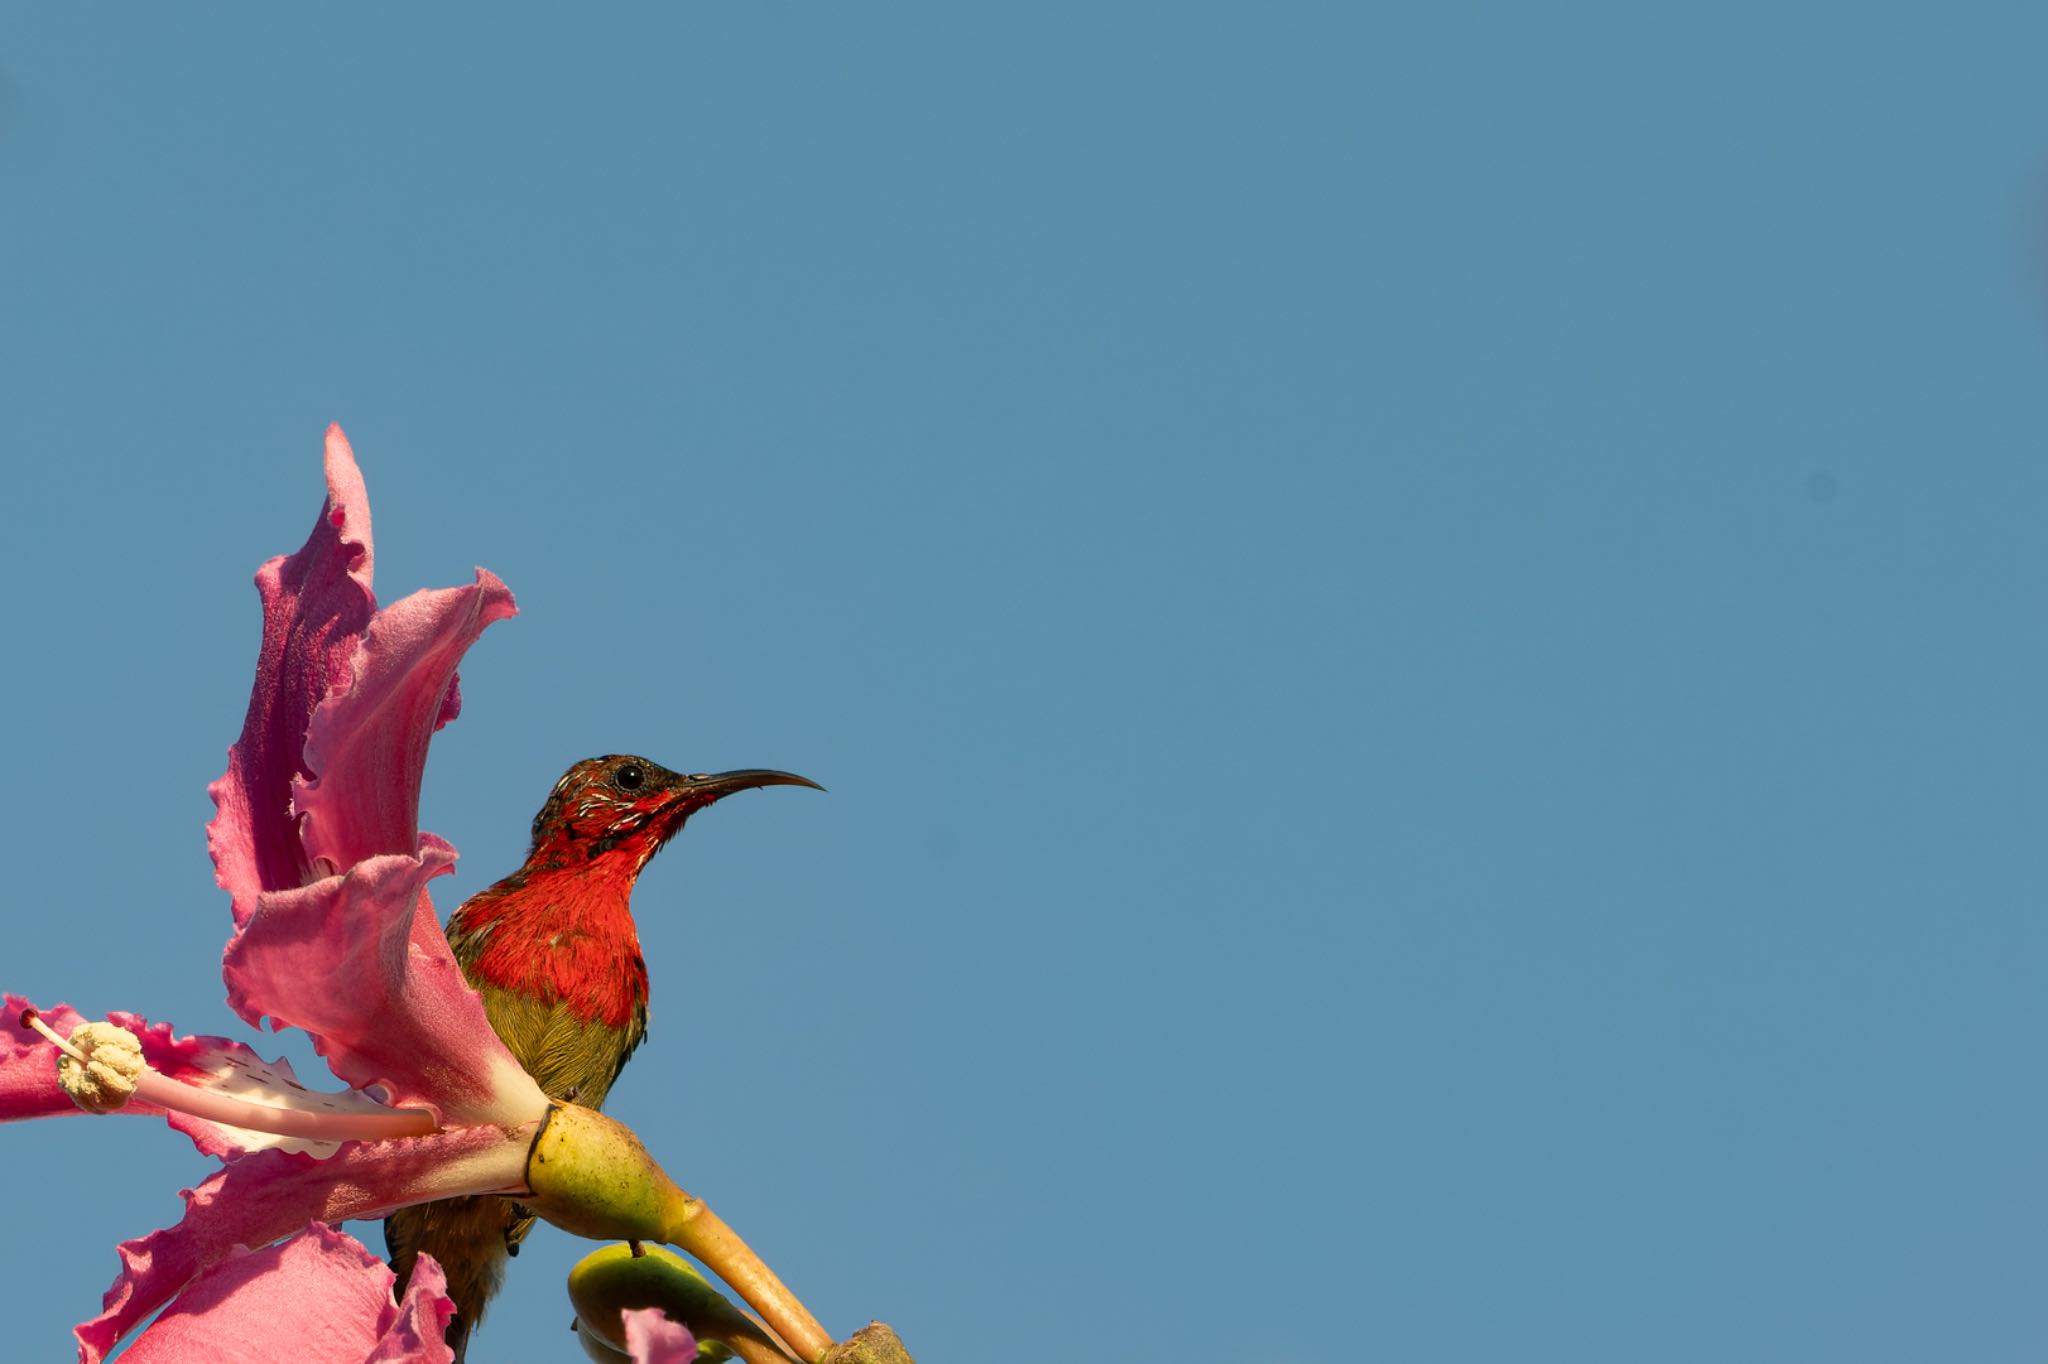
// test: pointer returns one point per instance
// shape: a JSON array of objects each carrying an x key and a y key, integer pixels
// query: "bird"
[{"x": 553, "y": 952}]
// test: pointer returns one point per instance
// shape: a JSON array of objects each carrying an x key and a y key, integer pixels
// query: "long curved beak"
[{"x": 705, "y": 787}]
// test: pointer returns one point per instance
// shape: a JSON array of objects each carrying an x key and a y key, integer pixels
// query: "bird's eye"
[{"x": 630, "y": 776}]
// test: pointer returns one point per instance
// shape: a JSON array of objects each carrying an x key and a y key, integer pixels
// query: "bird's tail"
[{"x": 471, "y": 1238}]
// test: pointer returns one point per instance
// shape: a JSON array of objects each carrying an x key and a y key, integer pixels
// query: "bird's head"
[{"x": 624, "y": 808}]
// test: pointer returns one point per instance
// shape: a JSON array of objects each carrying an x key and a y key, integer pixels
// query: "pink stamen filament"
[
  {"x": 337, "y": 1125},
  {"x": 211, "y": 1105}
]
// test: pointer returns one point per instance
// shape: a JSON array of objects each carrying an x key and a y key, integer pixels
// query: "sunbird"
[{"x": 554, "y": 954}]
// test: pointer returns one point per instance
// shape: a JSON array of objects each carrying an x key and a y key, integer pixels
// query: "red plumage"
[{"x": 562, "y": 934}]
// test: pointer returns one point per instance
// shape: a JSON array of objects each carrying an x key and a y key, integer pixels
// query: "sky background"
[{"x": 1425, "y": 629}]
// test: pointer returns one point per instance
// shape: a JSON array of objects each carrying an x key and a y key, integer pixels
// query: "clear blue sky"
[{"x": 1426, "y": 629}]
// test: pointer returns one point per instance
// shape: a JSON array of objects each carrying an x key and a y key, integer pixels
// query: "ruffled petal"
[
  {"x": 367, "y": 746},
  {"x": 29, "y": 1089},
  {"x": 361, "y": 964},
  {"x": 271, "y": 1194},
  {"x": 316, "y": 605},
  {"x": 652, "y": 1338},
  {"x": 419, "y": 1335},
  {"x": 317, "y": 1298},
  {"x": 28, "y": 1065}
]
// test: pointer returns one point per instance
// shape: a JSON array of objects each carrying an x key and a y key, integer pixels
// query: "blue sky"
[{"x": 1425, "y": 629}]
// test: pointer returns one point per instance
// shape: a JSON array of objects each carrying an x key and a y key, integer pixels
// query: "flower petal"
[
  {"x": 28, "y": 1065},
  {"x": 316, "y": 605},
  {"x": 318, "y": 1298},
  {"x": 652, "y": 1338},
  {"x": 270, "y": 1194},
  {"x": 367, "y": 745},
  {"x": 29, "y": 1089},
  {"x": 360, "y": 962},
  {"x": 419, "y": 1334}
]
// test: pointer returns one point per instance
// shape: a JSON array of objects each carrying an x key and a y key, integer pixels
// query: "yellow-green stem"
[
  {"x": 704, "y": 1234},
  {"x": 590, "y": 1175},
  {"x": 755, "y": 1349}
]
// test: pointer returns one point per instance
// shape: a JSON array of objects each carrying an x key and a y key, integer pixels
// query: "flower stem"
[
  {"x": 589, "y": 1175},
  {"x": 755, "y": 1349},
  {"x": 705, "y": 1235}
]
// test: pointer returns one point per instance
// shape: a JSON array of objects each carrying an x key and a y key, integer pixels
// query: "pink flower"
[
  {"x": 318, "y": 845},
  {"x": 326, "y": 779},
  {"x": 317, "y": 842}
]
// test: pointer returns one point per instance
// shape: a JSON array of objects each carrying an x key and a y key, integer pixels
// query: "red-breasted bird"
[{"x": 553, "y": 951}]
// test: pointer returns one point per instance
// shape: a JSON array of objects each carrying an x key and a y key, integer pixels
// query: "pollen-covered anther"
[{"x": 98, "y": 1066}]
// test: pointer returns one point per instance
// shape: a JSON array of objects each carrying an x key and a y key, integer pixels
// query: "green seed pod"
[
  {"x": 609, "y": 1281},
  {"x": 600, "y": 1352}
]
